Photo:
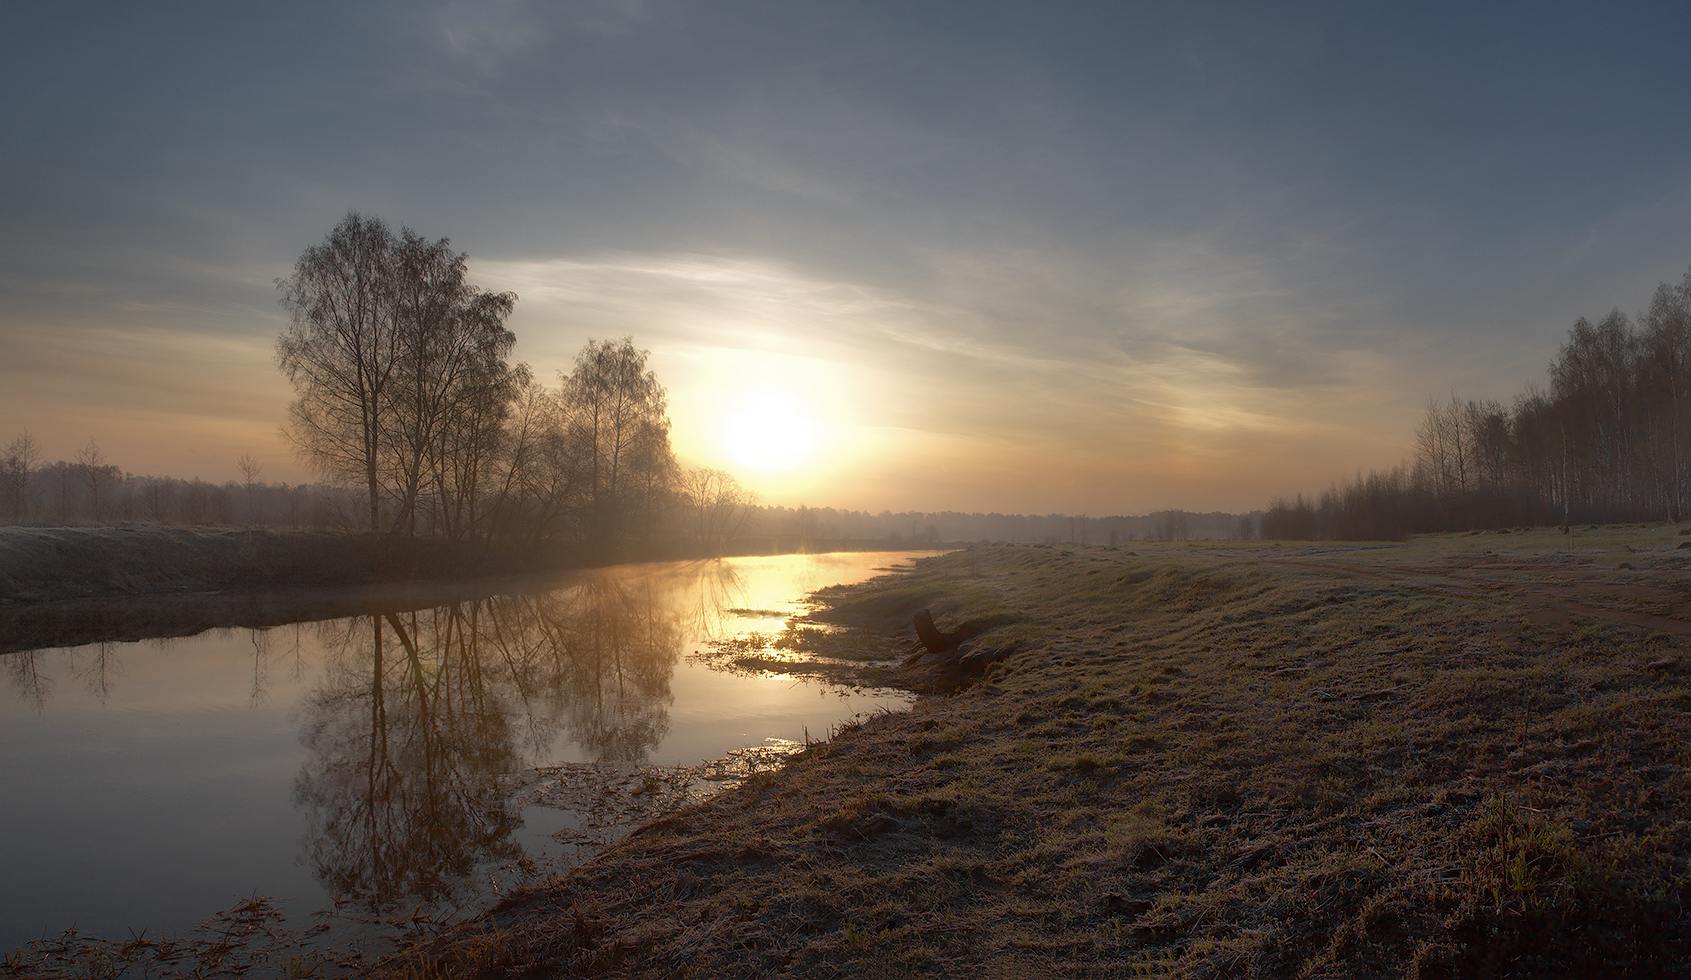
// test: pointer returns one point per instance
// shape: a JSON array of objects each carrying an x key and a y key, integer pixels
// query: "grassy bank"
[
  {"x": 1464, "y": 756},
  {"x": 57, "y": 564},
  {"x": 52, "y": 564},
  {"x": 64, "y": 586}
]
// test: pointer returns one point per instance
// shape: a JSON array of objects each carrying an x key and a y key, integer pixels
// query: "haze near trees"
[
  {"x": 399, "y": 364},
  {"x": 404, "y": 390},
  {"x": 1609, "y": 440}
]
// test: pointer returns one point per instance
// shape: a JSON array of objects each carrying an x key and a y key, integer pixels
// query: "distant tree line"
[
  {"x": 706, "y": 511},
  {"x": 1608, "y": 441},
  {"x": 954, "y": 527},
  {"x": 90, "y": 490}
]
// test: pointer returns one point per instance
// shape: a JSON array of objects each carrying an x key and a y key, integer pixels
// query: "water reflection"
[
  {"x": 24, "y": 671},
  {"x": 392, "y": 756},
  {"x": 425, "y": 717}
]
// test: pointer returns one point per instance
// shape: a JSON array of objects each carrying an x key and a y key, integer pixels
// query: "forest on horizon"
[
  {"x": 1608, "y": 441},
  {"x": 90, "y": 491}
]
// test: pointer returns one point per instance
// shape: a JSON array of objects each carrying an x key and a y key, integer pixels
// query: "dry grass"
[
  {"x": 1464, "y": 757},
  {"x": 51, "y": 564},
  {"x": 68, "y": 586},
  {"x": 44, "y": 564}
]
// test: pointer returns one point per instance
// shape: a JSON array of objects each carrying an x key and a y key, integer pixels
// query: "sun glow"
[{"x": 769, "y": 435}]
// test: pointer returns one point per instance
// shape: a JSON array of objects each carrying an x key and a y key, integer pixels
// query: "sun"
[{"x": 768, "y": 434}]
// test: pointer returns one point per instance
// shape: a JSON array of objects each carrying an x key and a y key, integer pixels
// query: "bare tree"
[
  {"x": 1667, "y": 341},
  {"x": 91, "y": 468},
  {"x": 718, "y": 504},
  {"x": 1593, "y": 376},
  {"x": 453, "y": 384},
  {"x": 615, "y": 411},
  {"x": 390, "y": 349},
  {"x": 252, "y": 471},
  {"x": 540, "y": 486},
  {"x": 21, "y": 457},
  {"x": 1442, "y": 446},
  {"x": 340, "y": 352}
]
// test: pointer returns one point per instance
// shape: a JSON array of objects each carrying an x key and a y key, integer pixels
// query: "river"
[{"x": 416, "y": 760}]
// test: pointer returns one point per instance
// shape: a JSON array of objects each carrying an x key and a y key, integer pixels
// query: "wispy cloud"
[
  {"x": 1082, "y": 257},
  {"x": 900, "y": 381}
]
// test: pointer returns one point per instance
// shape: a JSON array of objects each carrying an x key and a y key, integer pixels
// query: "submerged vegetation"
[{"x": 1463, "y": 757}]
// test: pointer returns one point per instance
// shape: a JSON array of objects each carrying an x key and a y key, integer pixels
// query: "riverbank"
[
  {"x": 66, "y": 586},
  {"x": 1462, "y": 756},
  {"x": 57, "y": 564},
  {"x": 61, "y": 564}
]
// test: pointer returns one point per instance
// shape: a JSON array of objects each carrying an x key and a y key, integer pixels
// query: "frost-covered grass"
[
  {"x": 1462, "y": 756},
  {"x": 45, "y": 564}
]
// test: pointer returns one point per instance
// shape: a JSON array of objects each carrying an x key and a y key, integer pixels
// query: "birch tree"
[
  {"x": 616, "y": 417},
  {"x": 399, "y": 365}
]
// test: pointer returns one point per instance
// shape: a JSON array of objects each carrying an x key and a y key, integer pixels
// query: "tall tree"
[
  {"x": 21, "y": 456},
  {"x": 453, "y": 385},
  {"x": 539, "y": 482},
  {"x": 1594, "y": 373},
  {"x": 340, "y": 352},
  {"x": 389, "y": 347},
  {"x": 617, "y": 419},
  {"x": 1667, "y": 343}
]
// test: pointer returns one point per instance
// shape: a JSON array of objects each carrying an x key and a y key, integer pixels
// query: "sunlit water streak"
[{"x": 388, "y": 760}]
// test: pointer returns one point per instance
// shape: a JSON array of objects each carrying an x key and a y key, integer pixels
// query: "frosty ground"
[{"x": 1461, "y": 756}]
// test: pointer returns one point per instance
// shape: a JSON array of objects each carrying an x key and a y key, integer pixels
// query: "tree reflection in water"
[
  {"x": 24, "y": 670},
  {"x": 426, "y": 718}
]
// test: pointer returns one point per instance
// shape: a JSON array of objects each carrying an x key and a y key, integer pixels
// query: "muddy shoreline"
[{"x": 1199, "y": 761}]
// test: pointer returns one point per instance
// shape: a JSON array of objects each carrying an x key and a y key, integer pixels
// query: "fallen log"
[
  {"x": 955, "y": 656},
  {"x": 932, "y": 637}
]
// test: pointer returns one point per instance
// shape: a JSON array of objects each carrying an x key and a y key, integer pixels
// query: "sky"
[{"x": 1101, "y": 258}]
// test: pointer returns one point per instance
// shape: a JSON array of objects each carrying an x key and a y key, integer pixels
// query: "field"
[{"x": 1464, "y": 756}]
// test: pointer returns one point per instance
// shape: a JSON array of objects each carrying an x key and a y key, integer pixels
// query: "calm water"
[{"x": 378, "y": 760}]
